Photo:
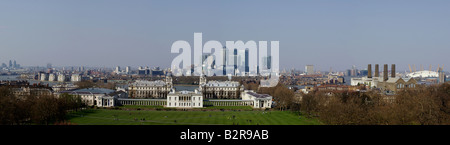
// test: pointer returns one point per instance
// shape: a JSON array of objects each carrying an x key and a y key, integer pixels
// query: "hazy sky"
[{"x": 134, "y": 33}]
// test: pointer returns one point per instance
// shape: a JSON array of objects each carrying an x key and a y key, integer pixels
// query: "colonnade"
[
  {"x": 143, "y": 102},
  {"x": 228, "y": 103},
  {"x": 163, "y": 102}
]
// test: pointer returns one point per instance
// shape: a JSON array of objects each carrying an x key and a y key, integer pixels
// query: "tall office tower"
[
  {"x": 369, "y": 71},
  {"x": 127, "y": 69},
  {"x": 241, "y": 61},
  {"x": 235, "y": 57},
  {"x": 377, "y": 72},
  {"x": 309, "y": 69},
  {"x": 117, "y": 69},
  {"x": 10, "y": 63},
  {"x": 247, "y": 68},
  {"x": 224, "y": 60},
  {"x": 266, "y": 62},
  {"x": 15, "y": 64}
]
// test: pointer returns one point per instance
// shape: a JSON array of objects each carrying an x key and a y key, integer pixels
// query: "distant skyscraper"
[
  {"x": 224, "y": 62},
  {"x": 15, "y": 65},
  {"x": 247, "y": 68},
  {"x": 267, "y": 62},
  {"x": 10, "y": 63},
  {"x": 354, "y": 71},
  {"x": 127, "y": 69},
  {"x": 117, "y": 69},
  {"x": 309, "y": 69}
]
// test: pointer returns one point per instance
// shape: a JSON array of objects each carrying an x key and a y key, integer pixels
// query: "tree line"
[
  {"x": 35, "y": 109},
  {"x": 424, "y": 105}
]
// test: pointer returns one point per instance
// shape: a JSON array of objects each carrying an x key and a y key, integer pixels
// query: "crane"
[{"x": 410, "y": 70}]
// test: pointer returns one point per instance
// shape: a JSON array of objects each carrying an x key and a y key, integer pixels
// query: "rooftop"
[
  {"x": 89, "y": 91},
  {"x": 256, "y": 95},
  {"x": 148, "y": 83},
  {"x": 222, "y": 84}
]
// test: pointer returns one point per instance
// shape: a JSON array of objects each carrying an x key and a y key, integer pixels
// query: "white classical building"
[
  {"x": 99, "y": 97},
  {"x": 148, "y": 89},
  {"x": 220, "y": 89},
  {"x": 185, "y": 99},
  {"x": 258, "y": 100}
]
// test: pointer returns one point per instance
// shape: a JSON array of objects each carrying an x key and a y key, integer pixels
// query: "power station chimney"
[
  {"x": 377, "y": 71},
  {"x": 385, "y": 72},
  {"x": 369, "y": 71},
  {"x": 393, "y": 70}
]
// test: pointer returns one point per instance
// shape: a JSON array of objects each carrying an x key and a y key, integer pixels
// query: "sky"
[{"x": 324, "y": 33}]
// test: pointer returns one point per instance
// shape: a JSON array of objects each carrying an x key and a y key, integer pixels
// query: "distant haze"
[{"x": 326, "y": 34}]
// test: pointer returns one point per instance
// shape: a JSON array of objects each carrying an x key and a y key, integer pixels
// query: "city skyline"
[{"x": 322, "y": 33}]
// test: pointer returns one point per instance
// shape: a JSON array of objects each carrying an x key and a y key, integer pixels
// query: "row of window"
[
  {"x": 405, "y": 86},
  {"x": 226, "y": 89},
  {"x": 148, "y": 88},
  {"x": 193, "y": 98},
  {"x": 184, "y": 104}
]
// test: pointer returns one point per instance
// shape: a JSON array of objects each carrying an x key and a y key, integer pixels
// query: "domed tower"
[
  {"x": 202, "y": 80},
  {"x": 169, "y": 80}
]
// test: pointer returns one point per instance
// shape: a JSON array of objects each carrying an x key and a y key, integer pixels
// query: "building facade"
[
  {"x": 185, "y": 99},
  {"x": 258, "y": 100},
  {"x": 150, "y": 89},
  {"x": 220, "y": 89},
  {"x": 99, "y": 97}
]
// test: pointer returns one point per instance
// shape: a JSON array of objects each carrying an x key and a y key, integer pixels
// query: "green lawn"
[{"x": 136, "y": 117}]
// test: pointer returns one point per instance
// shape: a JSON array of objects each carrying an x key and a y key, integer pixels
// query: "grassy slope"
[{"x": 107, "y": 117}]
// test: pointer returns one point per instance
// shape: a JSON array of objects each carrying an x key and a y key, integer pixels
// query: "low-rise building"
[
  {"x": 99, "y": 97},
  {"x": 396, "y": 84},
  {"x": 259, "y": 100}
]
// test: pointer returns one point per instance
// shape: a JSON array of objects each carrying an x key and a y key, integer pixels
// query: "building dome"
[{"x": 423, "y": 74}]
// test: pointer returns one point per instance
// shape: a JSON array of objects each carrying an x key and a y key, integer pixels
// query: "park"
[{"x": 206, "y": 116}]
